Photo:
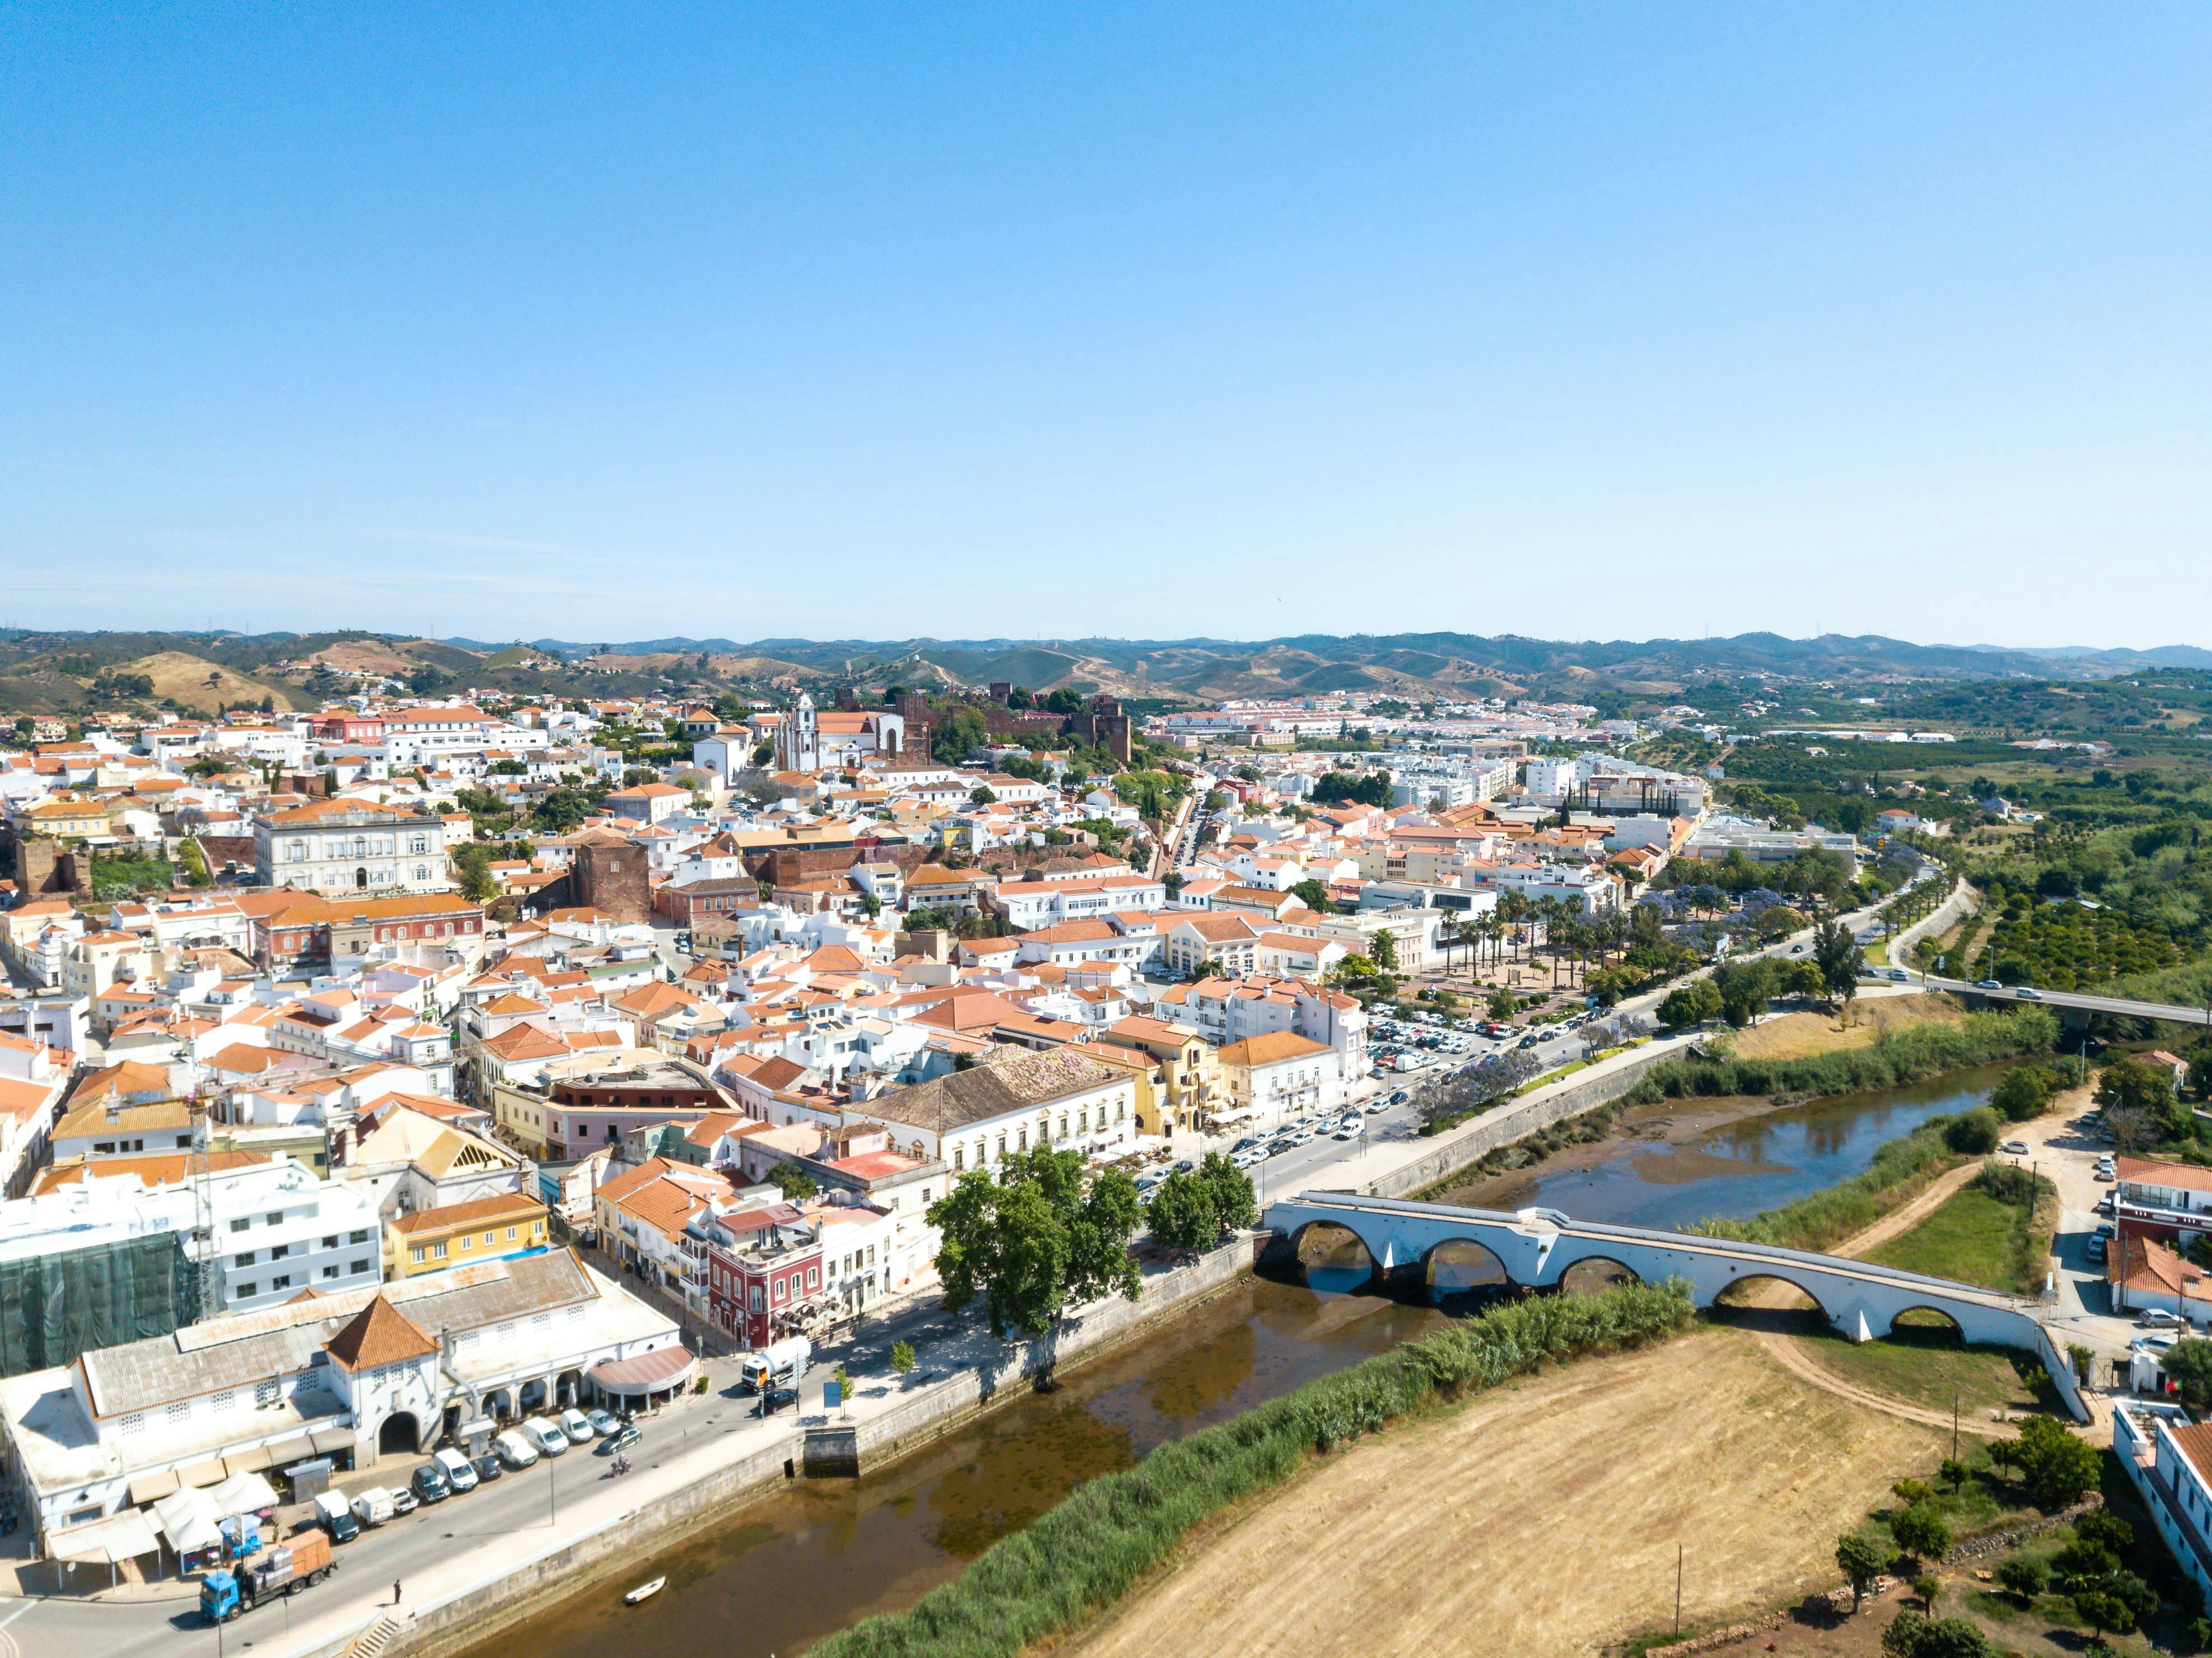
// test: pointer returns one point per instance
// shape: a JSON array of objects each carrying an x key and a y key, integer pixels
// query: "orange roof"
[
  {"x": 497, "y": 1207},
  {"x": 379, "y": 1334}
]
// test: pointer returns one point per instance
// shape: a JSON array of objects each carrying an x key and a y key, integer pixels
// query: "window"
[
  {"x": 437, "y": 1252},
  {"x": 959, "y": 1160},
  {"x": 358, "y": 1238},
  {"x": 757, "y": 1298},
  {"x": 814, "y": 1278},
  {"x": 240, "y": 1225},
  {"x": 330, "y": 1271},
  {"x": 267, "y": 1392},
  {"x": 245, "y": 1260},
  {"x": 331, "y": 1241},
  {"x": 135, "y": 1422},
  {"x": 510, "y": 1235},
  {"x": 224, "y": 1400},
  {"x": 247, "y": 1289},
  {"x": 416, "y": 1254},
  {"x": 280, "y": 1252},
  {"x": 277, "y": 1219},
  {"x": 282, "y": 1281},
  {"x": 359, "y": 1267}
]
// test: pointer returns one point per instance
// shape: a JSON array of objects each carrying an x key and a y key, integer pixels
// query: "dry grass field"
[
  {"x": 1799, "y": 1036},
  {"x": 200, "y": 685},
  {"x": 1542, "y": 1519}
]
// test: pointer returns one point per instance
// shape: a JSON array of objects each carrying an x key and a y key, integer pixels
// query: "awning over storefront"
[
  {"x": 327, "y": 1440},
  {"x": 211, "y": 1473},
  {"x": 250, "y": 1461},
  {"x": 149, "y": 1486},
  {"x": 647, "y": 1372},
  {"x": 285, "y": 1452},
  {"x": 120, "y": 1537}
]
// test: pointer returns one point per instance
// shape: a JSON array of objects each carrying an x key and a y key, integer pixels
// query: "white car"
[
  {"x": 545, "y": 1435},
  {"x": 2159, "y": 1319},
  {"x": 2014, "y": 1148}
]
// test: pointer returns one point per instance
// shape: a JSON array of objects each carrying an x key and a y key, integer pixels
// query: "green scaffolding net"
[{"x": 54, "y": 1307}]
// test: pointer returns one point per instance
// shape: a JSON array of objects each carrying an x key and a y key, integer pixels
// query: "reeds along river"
[{"x": 784, "y": 1572}]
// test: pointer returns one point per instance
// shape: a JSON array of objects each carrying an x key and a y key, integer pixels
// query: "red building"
[{"x": 763, "y": 1271}]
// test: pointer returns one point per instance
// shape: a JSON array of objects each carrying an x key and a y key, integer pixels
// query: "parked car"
[
  {"x": 460, "y": 1474},
  {"x": 404, "y": 1500},
  {"x": 2157, "y": 1342},
  {"x": 430, "y": 1484},
  {"x": 488, "y": 1467},
  {"x": 335, "y": 1516},
  {"x": 373, "y": 1506},
  {"x": 604, "y": 1422},
  {"x": 1347, "y": 1131},
  {"x": 2157, "y": 1318},
  {"x": 2014, "y": 1148},
  {"x": 577, "y": 1426},
  {"x": 546, "y": 1436},
  {"x": 515, "y": 1449}
]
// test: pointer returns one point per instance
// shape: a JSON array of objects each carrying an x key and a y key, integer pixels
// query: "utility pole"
[
  {"x": 1954, "y": 1427},
  {"x": 1678, "y": 1589}
]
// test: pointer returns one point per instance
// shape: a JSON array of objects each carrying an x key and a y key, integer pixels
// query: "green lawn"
[
  {"x": 1927, "y": 1365},
  {"x": 1971, "y": 1237}
]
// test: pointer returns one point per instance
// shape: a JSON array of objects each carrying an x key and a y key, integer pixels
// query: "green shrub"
[
  {"x": 1973, "y": 1133},
  {"x": 1109, "y": 1533}
]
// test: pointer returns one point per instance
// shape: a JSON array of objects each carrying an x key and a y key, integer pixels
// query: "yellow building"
[
  {"x": 1191, "y": 1086},
  {"x": 483, "y": 1228}
]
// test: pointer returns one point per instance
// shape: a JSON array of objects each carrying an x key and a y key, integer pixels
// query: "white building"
[
  {"x": 346, "y": 845},
  {"x": 277, "y": 1229}
]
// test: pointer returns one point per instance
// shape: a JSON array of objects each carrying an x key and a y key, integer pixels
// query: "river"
[{"x": 821, "y": 1554}]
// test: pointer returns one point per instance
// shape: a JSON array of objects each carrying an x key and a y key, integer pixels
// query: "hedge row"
[
  {"x": 1092, "y": 1548},
  {"x": 1910, "y": 1055}
]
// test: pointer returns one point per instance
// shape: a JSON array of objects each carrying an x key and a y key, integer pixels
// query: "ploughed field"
[{"x": 1542, "y": 1518}]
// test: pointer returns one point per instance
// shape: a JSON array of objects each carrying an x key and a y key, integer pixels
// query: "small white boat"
[{"x": 644, "y": 1591}]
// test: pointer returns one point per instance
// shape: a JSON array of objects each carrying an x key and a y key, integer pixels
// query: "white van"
[
  {"x": 515, "y": 1449},
  {"x": 373, "y": 1507},
  {"x": 455, "y": 1467},
  {"x": 546, "y": 1436}
]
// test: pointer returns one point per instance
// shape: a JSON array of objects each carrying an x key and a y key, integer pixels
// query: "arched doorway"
[
  {"x": 1463, "y": 1266},
  {"x": 361, "y": 880},
  {"x": 1593, "y": 1275},
  {"x": 499, "y": 1405},
  {"x": 400, "y": 1436},
  {"x": 569, "y": 1389},
  {"x": 533, "y": 1396}
]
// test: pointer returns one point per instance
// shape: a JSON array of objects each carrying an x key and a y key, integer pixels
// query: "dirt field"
[
  {"x": 186, "y": 677},
  {"x": 1796, "y": 1035},
  {"x": 1543, "y": 1518}
]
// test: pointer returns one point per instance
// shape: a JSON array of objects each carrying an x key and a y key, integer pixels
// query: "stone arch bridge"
[{"x": 1537, "y": 1247}]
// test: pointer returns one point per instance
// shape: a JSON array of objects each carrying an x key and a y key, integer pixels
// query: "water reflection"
[{"x": 1760, "y": 1162}]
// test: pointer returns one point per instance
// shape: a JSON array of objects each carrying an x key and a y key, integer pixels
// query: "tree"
[
  {"x": 2138, "y": 1085},
  {"x": 472, "y": 863},
  {"x": 1315, "y": 896},
  {"x": 1922, "y": 1532},
  {"x": 1973, "y": 1133},
  {"x": 2023, "y": 1092},
  {"x": 980, "y": 795},
  {"x": 2055, "y": 1467},
  {"x": 1384, "y": 947},
  {"x": 1235, "y": 1206},
  {"x": 1835, "y": 952},
  {"x": 1181, "y": 1215},
  {"x": 795, "y": 1182},
  {"x": 1034, "y": 1239},
  {"x": 902, "y": 1356},
  {"x": 2024, "y": 1578},
  {"x": 1502, "y": 1004},
  {"x": 1861, "y": 1559},
  {"x": 1690, "y": 1004},
  {"x": 2188, "y": 1362},
  {"x": 1915, "y": 1635},
  {"x": 1745, "y": 987},
  {"x": 2104, "y": 1613},
  {"x": 1338, "y": 788}
]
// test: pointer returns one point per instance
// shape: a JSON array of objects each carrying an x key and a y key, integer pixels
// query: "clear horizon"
[{"x": 1154, "y": 323}]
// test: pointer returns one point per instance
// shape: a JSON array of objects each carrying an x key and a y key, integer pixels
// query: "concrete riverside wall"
[
  {"x": 1456, "y": 1148},
  {"x": 937, "y": 1407},
  {"x": 926, "y": 1414}
]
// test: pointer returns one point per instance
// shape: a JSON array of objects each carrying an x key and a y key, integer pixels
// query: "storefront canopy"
[
  {"x": 243, "y": 1493},
  {"x": 120, "y": 1537},
  {"x": 187, "y": 1518},
  {"x": 649, "y": 1373}
]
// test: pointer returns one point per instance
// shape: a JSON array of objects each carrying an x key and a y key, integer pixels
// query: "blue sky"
[{"x": 864, "y": 321}]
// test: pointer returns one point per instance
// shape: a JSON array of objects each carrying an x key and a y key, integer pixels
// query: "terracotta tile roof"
[
  {"x": 1271, "y": 1049},
  {"x": 499, "y": 1207},
  {"x": 379, "y": 1334}
]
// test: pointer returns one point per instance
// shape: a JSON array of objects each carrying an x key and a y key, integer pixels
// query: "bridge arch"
[
  {"x": 1771, "y": 1293},
  {"x": 1593, "y": 1274},
  {"x": 1329, "y": 1256},
  {"x": 1462, "y": 1264}
]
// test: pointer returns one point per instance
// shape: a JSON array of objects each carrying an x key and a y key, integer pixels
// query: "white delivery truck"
[
  {"x": 373, "y": 1507},
  {"x": 778, "y": 1368}
]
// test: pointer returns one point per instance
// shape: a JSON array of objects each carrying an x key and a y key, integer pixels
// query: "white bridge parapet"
[{"x": 1536, "y": 1247}]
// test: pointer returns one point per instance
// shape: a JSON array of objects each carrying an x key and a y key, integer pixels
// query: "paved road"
[{"x": 2075, "y": 999}]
